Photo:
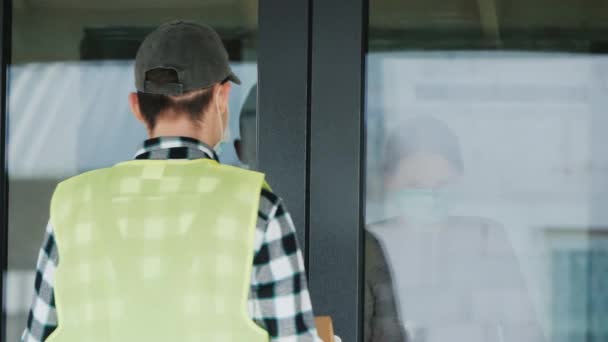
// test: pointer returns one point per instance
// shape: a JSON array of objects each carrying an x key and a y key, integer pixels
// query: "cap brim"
[{"x": 234, "y": 79}]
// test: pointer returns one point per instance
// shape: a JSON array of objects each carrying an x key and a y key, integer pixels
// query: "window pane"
[
  {"x": 486, "y": 181},
  {"x": 68, "y": 113}
]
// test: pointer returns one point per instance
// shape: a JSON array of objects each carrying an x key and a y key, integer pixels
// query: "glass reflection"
[
  {"x": 382, "y": 319},
  {"x": 447, "y": 265},
  {"x": 486, "y": 191}
]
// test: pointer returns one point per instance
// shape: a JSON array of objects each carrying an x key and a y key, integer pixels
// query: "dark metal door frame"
[
  {"x": 311, "y": 141},
  {"x": 284, "y": 103},
  {"x": 337, "y": 163},
  {"x": 5, "y": 26}
]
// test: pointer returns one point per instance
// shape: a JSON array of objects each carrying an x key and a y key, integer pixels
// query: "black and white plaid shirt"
[{"x": 279, "y": 300}]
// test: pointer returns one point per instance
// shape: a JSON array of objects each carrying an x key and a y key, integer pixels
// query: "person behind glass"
[
  {"x": 172, "y": 246},
  {"x": 245, "y": 145},
  {"x": 457, "y": 278}
]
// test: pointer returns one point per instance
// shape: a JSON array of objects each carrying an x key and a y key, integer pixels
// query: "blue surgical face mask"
[{"x": 418, "y": 206}]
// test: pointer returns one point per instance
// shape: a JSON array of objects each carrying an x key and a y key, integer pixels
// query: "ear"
[
  {"x": 134, "y": 105},
  {"x": 225, "y": 94}
]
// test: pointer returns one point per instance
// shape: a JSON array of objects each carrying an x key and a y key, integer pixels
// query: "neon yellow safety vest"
[{"x": 156, "y": 250}]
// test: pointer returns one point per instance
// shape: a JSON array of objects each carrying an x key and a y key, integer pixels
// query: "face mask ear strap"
[{"x": 219, "y": 116}]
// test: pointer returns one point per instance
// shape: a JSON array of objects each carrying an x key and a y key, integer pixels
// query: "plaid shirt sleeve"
[
  {"x": 279, "y": 298},
  {"x": 42, "y": 318}
]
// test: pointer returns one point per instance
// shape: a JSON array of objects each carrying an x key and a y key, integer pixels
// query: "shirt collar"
[{"x": 175, "y": 148}]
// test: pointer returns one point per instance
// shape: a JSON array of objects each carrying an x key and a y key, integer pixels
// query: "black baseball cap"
[{"x": 194, "y": 51}]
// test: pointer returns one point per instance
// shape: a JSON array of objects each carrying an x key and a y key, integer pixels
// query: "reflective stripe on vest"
[{"x": 156, "y": 250}]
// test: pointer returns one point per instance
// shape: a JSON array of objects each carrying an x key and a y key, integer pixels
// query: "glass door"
[
  {"x": 486, "y": 183},
  {"x": 457, "y": 184}
]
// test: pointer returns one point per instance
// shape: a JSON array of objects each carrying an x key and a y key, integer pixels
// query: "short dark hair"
[{"x": 193, "y": 102}]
